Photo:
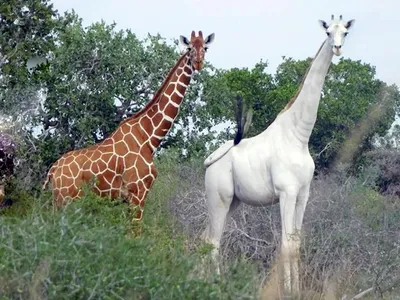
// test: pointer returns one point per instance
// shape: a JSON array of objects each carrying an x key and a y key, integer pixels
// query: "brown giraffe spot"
[
  {"x": 181, "y": 88},
  {"x": 163, "y": 104},
  {"x": 106, "y": 149},
  {"x": 165, "y": 124},
  {"x": 140, "y": 186},
  {"x": 107, "y": 142},
  {"x": 106, "y": 157},
  {"x": 74, "y": 168},
  {"x": 125, "y": 129},
  {"x": 118, "y": 135},
  {"x": 62, "y": 161},
  {"x": 145, "y": 124},
  {"x": 104, "y": 180},
  {"x": 135, "y": 201},
  {"x": 157, "y": 119},
  {"x": 66, "y": 171},
  {"x": 90, "y": 154},
  {"x": 131, "y": 142},
  {"x": 58, "y": 181},
  {"x": 112, "y": 164},
  {"x": 66, "y": 181},
  {"x": 155, "y": 141},
  {"x": 94, "y": 168},
  {"x": 68, "y": 160},
  {"x": 109, "y": 176},
  {"x": 86, "y": 176},
  {"x": 176, "y": 99},
  {"x": 101, "y": 165},
  {"x": 121, "y": 148},
  {"x": 148, "y": 180},
  {"x": 153, "y": 110},
  {"x": 170, "y": 88},
  {"x": 179, "y": 72},
  {"x": 142, "y": 166},
  {"x": 188, "y": 70},
  {"x": 120, "y": 165},
  {"x": 130, "y": 159},
  {"x": 72, "y": 191},
  {"x": 130, "y": 177}
]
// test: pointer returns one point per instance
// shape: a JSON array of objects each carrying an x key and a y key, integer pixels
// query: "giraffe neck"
[
  {"x": 157, "y": 117},
  {"x": 304, "y": 107}
]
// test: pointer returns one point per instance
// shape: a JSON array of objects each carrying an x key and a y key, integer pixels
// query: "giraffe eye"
[
  {"x": 205, "y": 49},
  {"x": 346, "y": 33},
  {"x": 328, "y": 34}
]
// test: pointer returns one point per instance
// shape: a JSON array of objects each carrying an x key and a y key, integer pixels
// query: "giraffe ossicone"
[
  {"x": 275, "y": 165},
  {"x": 122, "y": 164}
]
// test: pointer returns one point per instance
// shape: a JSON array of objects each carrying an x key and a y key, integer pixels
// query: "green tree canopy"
[{"x": 351, "y": 90}]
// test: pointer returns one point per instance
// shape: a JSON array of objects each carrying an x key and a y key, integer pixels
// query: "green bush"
[{"x": 85, "y": 250}]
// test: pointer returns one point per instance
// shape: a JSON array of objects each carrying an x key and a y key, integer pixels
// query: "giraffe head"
[
  {"x": 197, "y": 47},
  {"x": 337, "y": 31}
]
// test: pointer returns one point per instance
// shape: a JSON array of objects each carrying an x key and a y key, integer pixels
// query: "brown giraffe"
[{"x": 123, "y": 162}]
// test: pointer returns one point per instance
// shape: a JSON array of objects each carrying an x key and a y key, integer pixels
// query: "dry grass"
[{"x": 349, "y": 244}]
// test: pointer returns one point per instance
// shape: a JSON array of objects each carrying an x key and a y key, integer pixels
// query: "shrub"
[
  {"x": 350, "y": 232},
  {"x": 85, "y": 250}
]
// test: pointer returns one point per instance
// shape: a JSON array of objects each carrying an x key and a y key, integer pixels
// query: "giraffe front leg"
[
  {"x": 136, "y": 183},
  {"x": 137, "y": 196},
  {"x": 290, "y": 241},
  {"x": 137, "y": 208}
]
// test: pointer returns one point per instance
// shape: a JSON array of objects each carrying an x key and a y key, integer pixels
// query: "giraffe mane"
[
  {"x": 290, "y": 103},
  {"x": 159, "y": 92}
]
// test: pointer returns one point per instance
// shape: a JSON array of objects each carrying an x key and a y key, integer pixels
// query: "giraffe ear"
[
  {"x": 349, "y": 24},
  {"x": 323, "y": 24},
  {"x": 209, "y": 39},
  {"x": 184, "y": 40}
]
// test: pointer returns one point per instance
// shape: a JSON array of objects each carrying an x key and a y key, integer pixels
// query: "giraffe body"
[
  {"x": 122, "y": 165},
  {"x": 274, "y": 166}
]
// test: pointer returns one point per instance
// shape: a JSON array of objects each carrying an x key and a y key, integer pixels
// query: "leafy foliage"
[{"x": 350, "y": 92}]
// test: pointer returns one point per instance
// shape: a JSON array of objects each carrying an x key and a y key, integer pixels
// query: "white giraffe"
[{"x": 276, "y": 165}]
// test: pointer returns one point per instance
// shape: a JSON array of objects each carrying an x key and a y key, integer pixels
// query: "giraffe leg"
[
  {"x": 220, "y": 203},
  {"x": 137, "y": 201},
  {"x": 137, "y": 185},
  {"x": 290, "y": 244},
  {"x": 300, "y": 208}
]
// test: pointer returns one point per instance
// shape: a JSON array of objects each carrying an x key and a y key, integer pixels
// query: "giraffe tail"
[
  {"x": 243, "y": 120},
  {"x": 48, "y": 178}
]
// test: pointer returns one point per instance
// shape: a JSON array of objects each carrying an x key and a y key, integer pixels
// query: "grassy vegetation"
[{"x": 86, "y": 251}]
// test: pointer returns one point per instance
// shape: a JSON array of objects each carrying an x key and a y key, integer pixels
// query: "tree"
[
  {"x": 253, "y": 85},
  {"x": 28, "y": 29},
  {"x": 351, "y": 90},
  {"x": 96, "y": 77}
]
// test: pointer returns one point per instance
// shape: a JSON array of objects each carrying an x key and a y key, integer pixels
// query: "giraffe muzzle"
[{"x": 198, "y": 65}]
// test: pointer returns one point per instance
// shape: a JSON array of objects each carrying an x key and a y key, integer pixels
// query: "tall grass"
[
  {"x": 86, "y": 251},
  {"x": 350, "y": 240}
]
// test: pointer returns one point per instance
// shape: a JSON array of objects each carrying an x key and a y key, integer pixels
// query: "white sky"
[{"x": 249, "y": 30}]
